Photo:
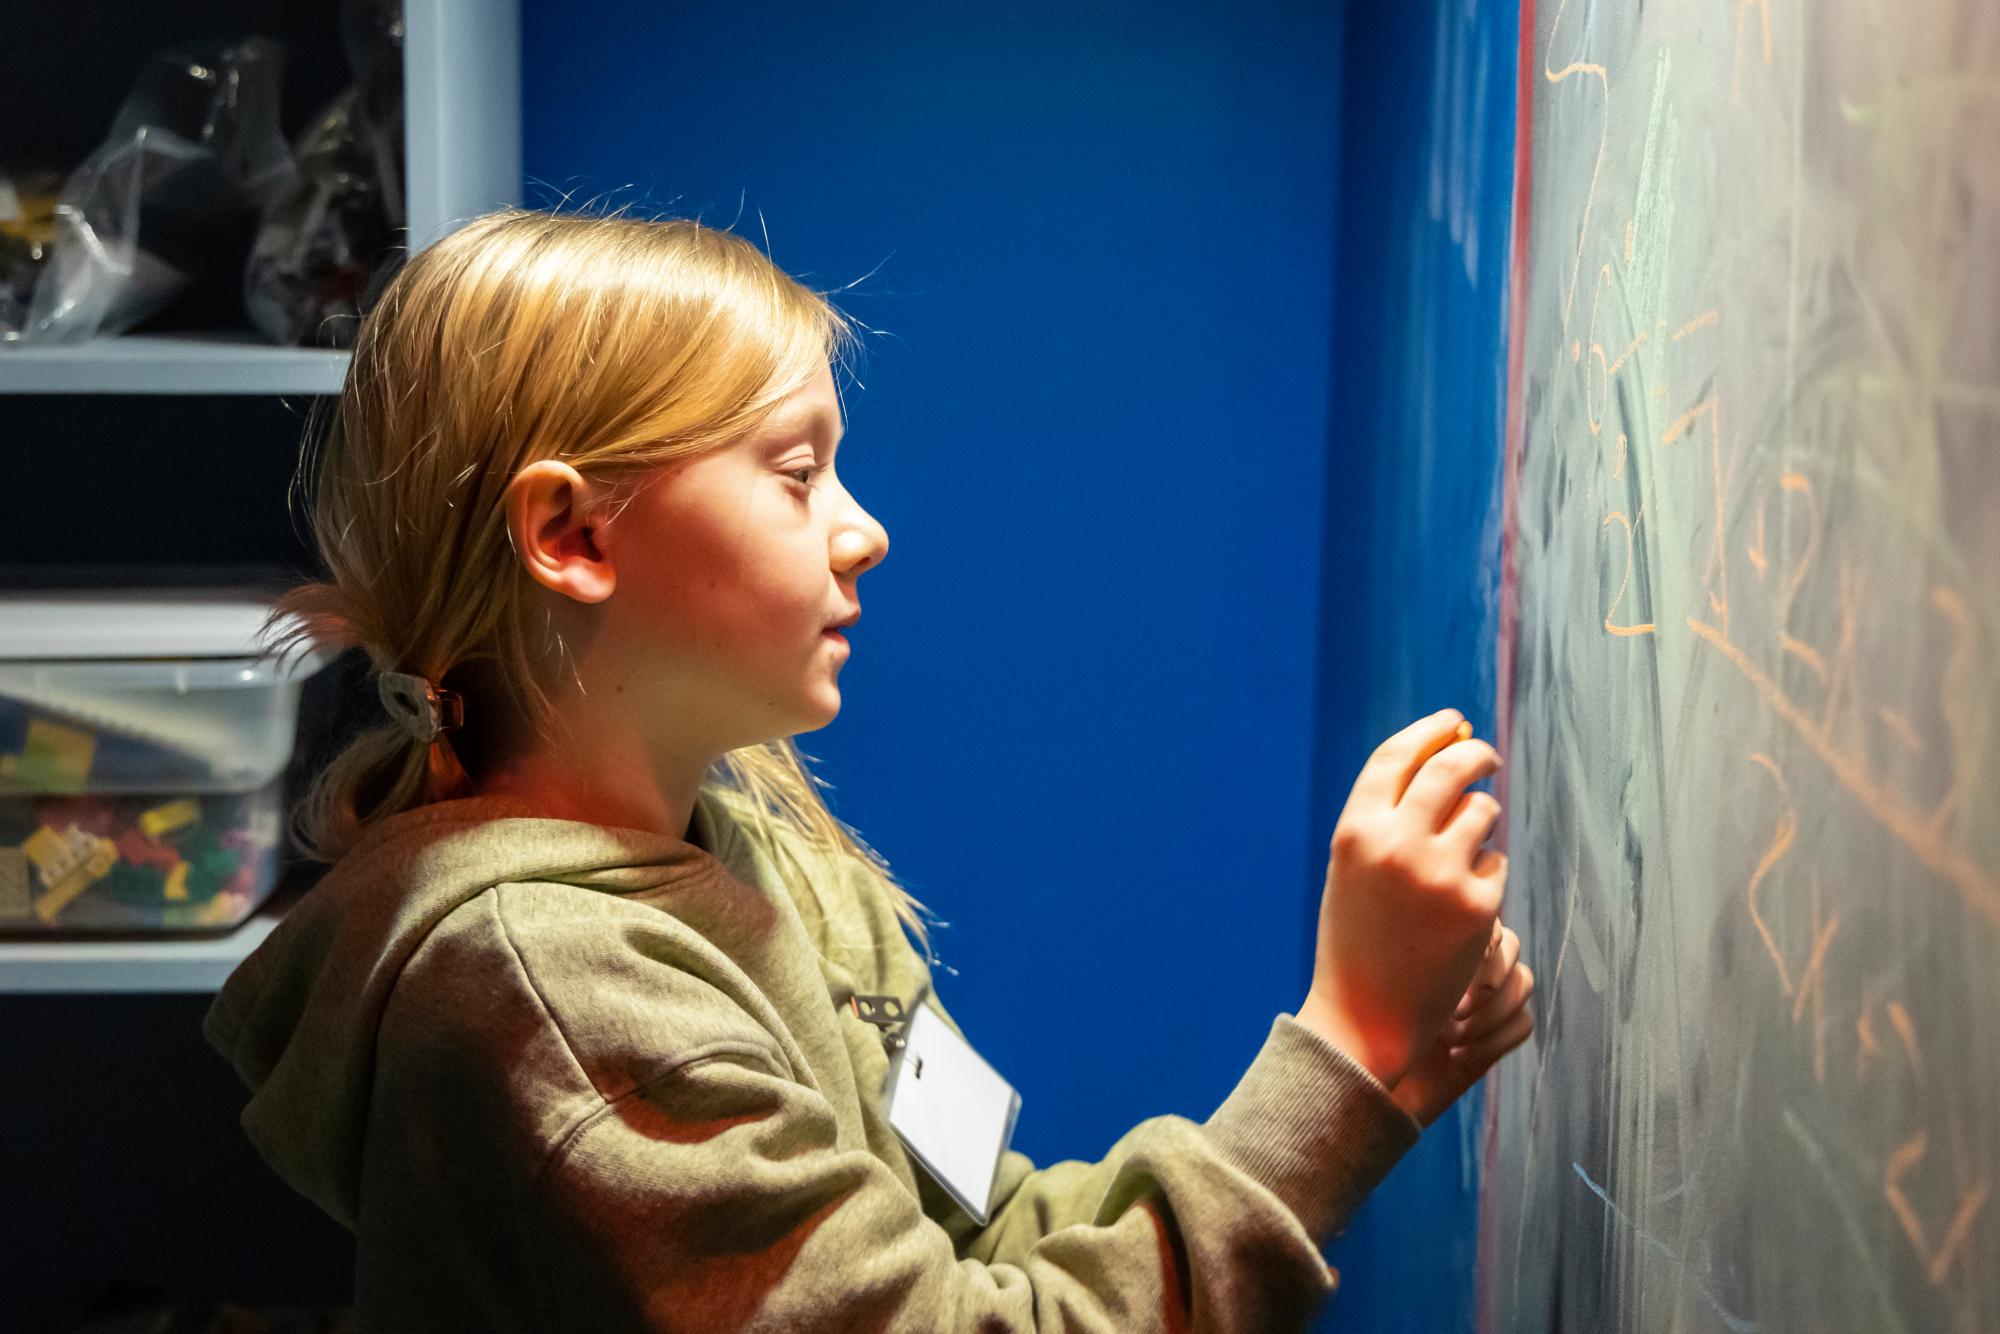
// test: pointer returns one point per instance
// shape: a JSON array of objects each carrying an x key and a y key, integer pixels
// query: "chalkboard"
[{"x": 1748, "y": 630}]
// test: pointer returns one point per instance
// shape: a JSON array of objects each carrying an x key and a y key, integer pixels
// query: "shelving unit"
[
  {"x": 165, "y": 460},
  {"x": 51, "y": 967},
  {"x": 461, "y": 72}
]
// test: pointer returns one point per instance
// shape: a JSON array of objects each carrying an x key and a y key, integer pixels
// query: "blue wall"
[
  {"x": 1078, "y": 712},
  {"x": 1116, "y": 673},
  {"x": 1413, "y": 523}
]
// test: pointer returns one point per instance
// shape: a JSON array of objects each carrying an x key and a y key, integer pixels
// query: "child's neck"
[{"x": 616, "y": 790}]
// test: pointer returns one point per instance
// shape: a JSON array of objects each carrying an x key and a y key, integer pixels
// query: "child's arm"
[
  {"x": 1306, "y": 1122},
  {"x": 1340, "y": 1121},
  {"x": 716, "y": 1197}
]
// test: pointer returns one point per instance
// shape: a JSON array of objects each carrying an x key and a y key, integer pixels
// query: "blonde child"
[{"x": 566, "y": 1035}]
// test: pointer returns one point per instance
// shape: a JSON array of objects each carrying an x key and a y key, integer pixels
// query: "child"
[{"x": 566, "y": 1036}]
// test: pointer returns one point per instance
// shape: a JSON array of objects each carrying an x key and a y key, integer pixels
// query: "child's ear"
[{"x": 549, "y": 507}]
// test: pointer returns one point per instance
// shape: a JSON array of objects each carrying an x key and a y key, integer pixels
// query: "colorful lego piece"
[
  {"x": 56, "y": 758},
  {"x": 140, "y": 850},
  {"x": 69, "y": 863},
  {"x": 163, "y": 820}
]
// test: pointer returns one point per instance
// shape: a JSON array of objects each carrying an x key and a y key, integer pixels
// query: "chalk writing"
[{"x": 1753, "y": 816}]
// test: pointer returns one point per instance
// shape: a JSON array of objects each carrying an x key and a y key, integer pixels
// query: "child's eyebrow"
[
  {"x": 817, "y": 423},
  {"x": 809, "y": 425}
]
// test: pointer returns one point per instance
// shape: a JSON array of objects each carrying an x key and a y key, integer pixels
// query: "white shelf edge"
[
  {"x": 171, "y": 364},
  {"x": 92, "y": 967}
]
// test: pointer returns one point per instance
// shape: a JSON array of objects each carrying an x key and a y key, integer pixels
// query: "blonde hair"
[{"x": 613, "y": 343}]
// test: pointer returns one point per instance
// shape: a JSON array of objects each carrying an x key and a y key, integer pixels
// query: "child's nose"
[
  {"x": 860, "y": 542},
  {"x": 860, "y": 545}
]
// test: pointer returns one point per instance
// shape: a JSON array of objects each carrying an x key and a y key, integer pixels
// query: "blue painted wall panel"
[
  {"x": 1078, "y": 715},
  {"x": 1414, "y": 519}
]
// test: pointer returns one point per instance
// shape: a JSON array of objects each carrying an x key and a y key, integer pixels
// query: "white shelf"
[
  {"x": 98, "y": 967},
  {"x": 171, "y": 364}
]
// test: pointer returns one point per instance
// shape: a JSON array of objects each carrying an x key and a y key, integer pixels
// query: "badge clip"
[{"x": 886, "y": 1013}]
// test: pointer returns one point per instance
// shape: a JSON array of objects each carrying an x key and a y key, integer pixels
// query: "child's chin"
[{"x": 823, "y": 709}]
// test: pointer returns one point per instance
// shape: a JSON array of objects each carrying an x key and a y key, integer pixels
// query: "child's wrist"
[{"x": 1387, "y": 1061}]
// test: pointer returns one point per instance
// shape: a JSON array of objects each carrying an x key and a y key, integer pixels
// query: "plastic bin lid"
[{"x": 134, "y": 623}]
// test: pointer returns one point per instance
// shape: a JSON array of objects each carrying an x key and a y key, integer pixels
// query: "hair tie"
[{"x": 418, "y": 707}]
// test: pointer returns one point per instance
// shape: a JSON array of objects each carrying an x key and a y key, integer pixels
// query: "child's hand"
[
  {"x": 1491, "y": 1021},
  {"x": 1411, "y": 896}
]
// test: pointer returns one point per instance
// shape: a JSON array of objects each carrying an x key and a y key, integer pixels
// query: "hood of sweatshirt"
[{"x": 298, "y": 1017}]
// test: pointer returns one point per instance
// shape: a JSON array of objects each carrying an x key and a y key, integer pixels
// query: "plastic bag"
[
  {"x": 372, "y": 34},
  {"x": 165, "y": 199},
  {"x": 325, "y": 242}
]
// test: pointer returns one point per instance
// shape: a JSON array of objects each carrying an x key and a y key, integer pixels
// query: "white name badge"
[{"x": 953, "y": 1111}]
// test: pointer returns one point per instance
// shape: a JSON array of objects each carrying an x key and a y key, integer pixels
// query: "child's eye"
[{"x": 805, "y": 475}]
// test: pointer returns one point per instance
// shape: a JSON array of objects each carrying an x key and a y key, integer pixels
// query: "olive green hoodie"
[{"x": 556, "y": 1076}]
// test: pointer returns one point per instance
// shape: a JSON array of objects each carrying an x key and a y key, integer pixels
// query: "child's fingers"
[
  {"x": 1389, "y": 769},
  {"x": 1481, "y": 1054},
  {"x": 1506, "y": 953},
  {"x": 1501, "y": 952},
  {"x": 1507, "y": 1000},
  {"x": 1471, "y": 823},
  {"x": 1499, "y": 961},
  {"x": 1443, "y": 778}
]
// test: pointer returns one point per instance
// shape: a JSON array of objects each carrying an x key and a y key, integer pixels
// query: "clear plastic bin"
[{"x": 144, "y": 739}]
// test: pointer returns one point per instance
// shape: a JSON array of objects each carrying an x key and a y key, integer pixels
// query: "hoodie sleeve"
[
  {"x": 714, "y": 1197},
  {"x": 1305, "y": 1122}
]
